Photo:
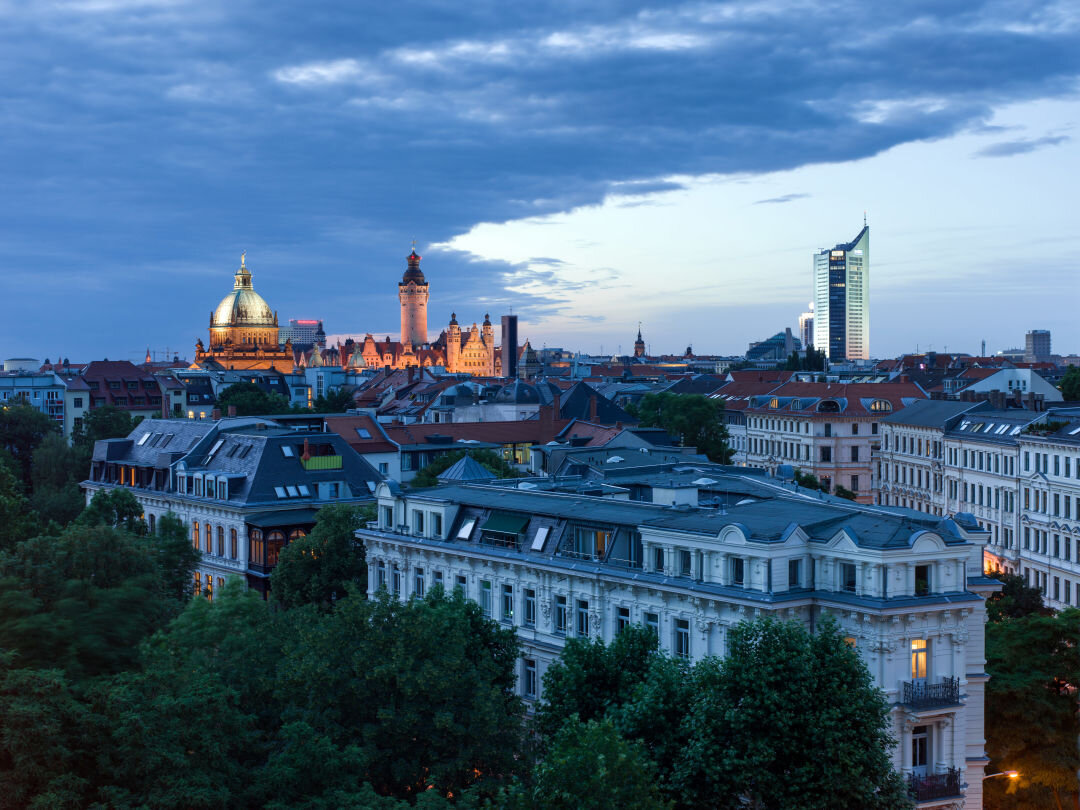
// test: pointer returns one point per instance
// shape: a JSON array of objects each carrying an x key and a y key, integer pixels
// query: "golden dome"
[{"x": 243, "y": 306}]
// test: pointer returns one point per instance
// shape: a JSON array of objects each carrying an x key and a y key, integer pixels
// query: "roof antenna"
[{"x": 864, "y": 218}]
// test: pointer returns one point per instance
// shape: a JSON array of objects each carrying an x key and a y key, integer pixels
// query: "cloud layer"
[{"x": 143, "y": 135}]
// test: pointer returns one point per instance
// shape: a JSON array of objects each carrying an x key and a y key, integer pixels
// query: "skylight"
[
  {"x": 245, "y": 451},
  {"x": 541, "y": 536},
  {"x": 293, "y": 493},
  {"x": 142, "y": 439},
  {"x": 287, "y": 451},
  {"x": 1074, "y": 431},
  {"x": 466, "y": 529},
  {"x": 363, "y": 433},
  {"x": 280, "y": 492},
  {"x": 167, "y": 439},
  {"x": 215, "y": 448},
  {"x": 304, "y": 491}
]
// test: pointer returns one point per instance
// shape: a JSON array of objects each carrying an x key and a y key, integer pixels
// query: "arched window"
[
  {"x": 195, "y": 533},
  {"x": 774, "y": 403},
  {"x": 221, "y": 541},
  {"x": 232, "y": 543},
  {"x": 256, "y": 547},
  {"x": 209, "y": 539},
  {"x": 275, "y": 541},
  {"x": 880, "y": 406},
  {"x": 296, "y": 534},
  {"x": 828, "y": 406},
  {"x": 198, "y": 583}
]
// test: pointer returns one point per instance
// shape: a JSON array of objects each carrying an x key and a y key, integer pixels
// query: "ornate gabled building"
[{"x": 244, "y": 330}]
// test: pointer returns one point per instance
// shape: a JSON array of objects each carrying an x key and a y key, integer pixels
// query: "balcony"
[
  {"x": 922, "y": 695},
  {"x": 935, "y": 786}
]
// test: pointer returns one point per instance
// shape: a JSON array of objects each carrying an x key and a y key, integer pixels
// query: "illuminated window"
[{"x": 918, "y": 659}]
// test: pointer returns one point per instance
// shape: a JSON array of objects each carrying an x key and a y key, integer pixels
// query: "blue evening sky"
[{"x": 591, "y": 165}]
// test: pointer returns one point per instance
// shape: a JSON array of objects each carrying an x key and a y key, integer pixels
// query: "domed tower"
[
  {"x": 243, "y": 318},
  {"x": 413, "y": 294}
]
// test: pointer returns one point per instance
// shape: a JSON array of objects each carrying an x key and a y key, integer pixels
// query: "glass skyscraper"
[{"x": 842, "y": 299}]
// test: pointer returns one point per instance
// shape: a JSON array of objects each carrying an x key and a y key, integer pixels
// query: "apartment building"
[
  {"x": 245, "y": 488},
  {"x": 908, "y": 590},
  {"x": 828, "y": 430}
]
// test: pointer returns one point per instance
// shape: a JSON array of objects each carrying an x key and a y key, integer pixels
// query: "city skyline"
[{"x": 577, "y": 171}]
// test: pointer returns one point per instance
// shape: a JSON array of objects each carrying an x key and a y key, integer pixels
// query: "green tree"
[
  {"x": 589, "y": 766},
  {"x": 16, "y": 521},
  {"x": 55, "y": 473},
  {"x": 429, "y": 476},
  {"x": 22, "y": 429},
  {"x": 1031, "y": 710},
  {"x": 104, "y": 422},
  {"x": 780, "y": 704},
  {"x": 250, "y": 400},
  {"x": 591, "y": 677},
  {"x": 844, "y": 492},
  {"x": 176, "y": 558},
  {"x": 694, "y": 418},
  {"x": 316, "y": 569},
  {"x": 1070, "y": 384},
  {"x": 807, "y": 480},
  {"x": 425, "y": 688},
  {"x": 1015, "y": 600},
  {"x": 116, "y": 507},
  {"x": 336, "y": 400}
]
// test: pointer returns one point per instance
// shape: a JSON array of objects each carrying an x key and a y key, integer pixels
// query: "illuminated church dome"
[{"x": 243, "y": 306}]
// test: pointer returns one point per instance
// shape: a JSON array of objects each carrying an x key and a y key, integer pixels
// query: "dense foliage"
[
  {"x": 692, "y": 418},
  {"x": 812, "y": 360},
  {"x": 1070, "y": 384},
  {"x": 749, "y": 730},
  {"x": 1032, "y": 722},
  {"x": 251, "y": 400}
]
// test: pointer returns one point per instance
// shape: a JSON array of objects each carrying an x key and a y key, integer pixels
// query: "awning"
[
  {"x": 506, "y": 523},
  {"x": 285, "y": 517}
]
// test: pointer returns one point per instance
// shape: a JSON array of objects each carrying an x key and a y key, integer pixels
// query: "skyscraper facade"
[
  {"x": 806, "y": 327},
  {"x": 842, "y": 299},
  {"x": 1037, "y": 346}
]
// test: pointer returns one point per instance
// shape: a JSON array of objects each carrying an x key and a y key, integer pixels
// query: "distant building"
[
  {"x": 509, "y": 345},
  {"x": 413, "y": 295},
  {"x": 806, "y": 327},
  {"x": 303, "y": 334},
  {"x": 842, "y": 299},
  {"x": 42, "y": 390},
  {"x": 1037, "y": 346},
  {"x": 639, "y": 344},
  {"x": 776, "y": 349}
]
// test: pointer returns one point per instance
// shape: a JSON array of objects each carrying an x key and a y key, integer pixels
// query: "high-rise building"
[
  {"x": 806, "y": 327},
  {"x": 303, "y": 333},
  {"x": 1037, "y": 346},
  {"x": 509, "y": 345},
  {"x": 842, "y": 299}
]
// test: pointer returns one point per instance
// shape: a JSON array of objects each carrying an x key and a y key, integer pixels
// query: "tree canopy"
[
  {"x": 336, "y": 400},
  {"x": 317, "y": 569},
  {"x": 693, "y": 418},
  {"x": 22, "y": 430},
  {"x": 104, "y": 422},
  {"x": 250, "y": 400},
  {"x": 1070, "y": 384}
]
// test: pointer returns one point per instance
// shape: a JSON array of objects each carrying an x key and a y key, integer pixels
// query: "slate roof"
[
  {"x": 932, "y": 413},
  {"x": 466, "y": 468}
]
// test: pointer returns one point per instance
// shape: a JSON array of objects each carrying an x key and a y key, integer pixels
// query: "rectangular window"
[
  {"x": 560, "y": 615},
  {"x": 794, "y": 573},
  {"x": 418, "y": 521},
  {"x": 854, "y": 428},
  {"x": 1057, "y": 589},
  {"x": 847, "y": 577},
  {"x": 922, "y": 580},
  {"x": 918, "y": 659},
  {"x": 623, "y": 620},
  {"x": 854, "y": 453},
  {"x": 461, "y": 582},
  {"x": 396, "y": 580},
  {"x": 508, "y": 603},
  {"x": 485, "y": 598},
  {"x": 387, "y": 521},
  {"x": 826, "y": 454},
  {"x": 828, "y": 429},
  {"x": 530, "y": 607},
  {"x": 682, "y": 638},
  {"x": 438, "y": 578},
  {"x": 529, "y": 682},
  {"x": 418, "y": 585},
  {"x": 436, "y": 524},
  {"x": 582, "y": 618},
  {"x": 855, "y": 483},
  {"x": 652, "y": 621},
  {"x": 738, "y": 570}
]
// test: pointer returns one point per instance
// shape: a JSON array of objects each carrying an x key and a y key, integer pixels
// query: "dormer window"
[{"x": 880, "y": 406}]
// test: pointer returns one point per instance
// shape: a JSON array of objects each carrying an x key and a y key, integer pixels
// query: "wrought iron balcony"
[
  {"x": 923, "y": 695},
  {"x": 935, "y": 786}
]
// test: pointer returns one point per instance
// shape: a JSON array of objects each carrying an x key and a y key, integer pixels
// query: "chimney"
[
  {"x": 215, "y": 414},
  {"x": 232, "y": 410},
  {"x": 306, "y": 456}
]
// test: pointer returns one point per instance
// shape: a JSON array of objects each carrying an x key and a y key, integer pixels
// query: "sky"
[{"x": 588, "y": 165}]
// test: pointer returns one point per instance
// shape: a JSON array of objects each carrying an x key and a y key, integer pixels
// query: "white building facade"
[{"x": 909, "y": 593}]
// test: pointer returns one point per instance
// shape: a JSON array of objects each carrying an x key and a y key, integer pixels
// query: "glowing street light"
[{"x": 1009, "y": 774}]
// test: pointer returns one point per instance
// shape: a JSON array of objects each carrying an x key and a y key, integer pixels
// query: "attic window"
[
  {"x": 167, "y": 439},
  {"x": 287, "y": 451},
  {"x": 774, "y": 403},
  {"x": 363, "y": 433},
  {"x": 538, "y": 541},
  {"x": 280, "y": 492},
  {"x": 466, "y": 529},
  {"x": 245, "y": 451},
  {"x": 232, "y": 451},
  {"x": 293, "y": 493},
  {"x": 215, "y": 448},
  {"x": 304, "y": 491},
  {"x": 142, "y": 439},
  {"x": 880, "y": 406}
]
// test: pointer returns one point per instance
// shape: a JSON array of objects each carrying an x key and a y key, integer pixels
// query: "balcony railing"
[
  {"x": 935, "y": 786},
  {"x": 923, "y": 695}
]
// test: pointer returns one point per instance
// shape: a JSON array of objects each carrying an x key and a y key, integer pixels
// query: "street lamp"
[{"x": 1009, "y": 774}]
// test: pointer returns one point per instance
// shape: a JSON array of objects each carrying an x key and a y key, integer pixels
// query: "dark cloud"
[
  {"x": 141, "y": 137},
  {"x": 1009, "y": 148},
  {"x": 782, "y": 199}
]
